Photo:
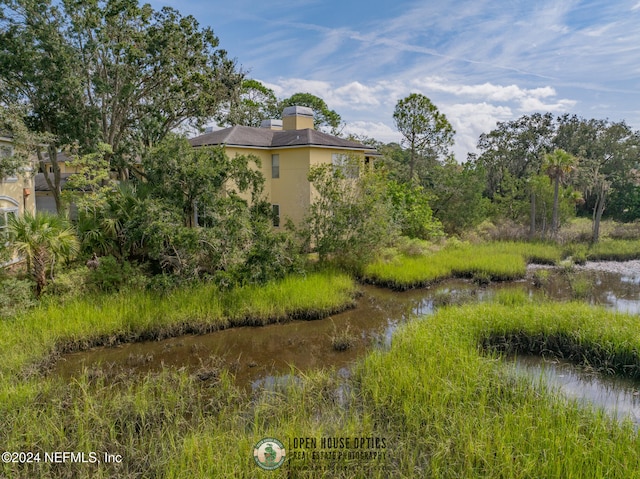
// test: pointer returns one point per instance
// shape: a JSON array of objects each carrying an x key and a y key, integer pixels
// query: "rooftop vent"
[
  {"x": 271, "y": 124},
  {"x": 297, "y": 118}
]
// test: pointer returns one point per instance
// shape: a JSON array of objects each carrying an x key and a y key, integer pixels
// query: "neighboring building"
[
  {"x": 287, "y": 149},
  {"x": 44, "y": 196},
  {"x": 16, "y": 192}
]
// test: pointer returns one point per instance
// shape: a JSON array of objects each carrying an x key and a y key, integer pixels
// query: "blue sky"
[{"x": 479, "y": 61}]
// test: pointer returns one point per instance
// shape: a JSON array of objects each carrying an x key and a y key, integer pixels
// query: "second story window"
[
  {"x": 347, "y": 165},
  {"x": 275, "y": 166}
]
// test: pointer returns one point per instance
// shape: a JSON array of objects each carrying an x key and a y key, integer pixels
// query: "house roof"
[
  {"x": 41, "y": 182},
  {"x": 251, "y": 137},
  {"x": 61, "y": 157}
]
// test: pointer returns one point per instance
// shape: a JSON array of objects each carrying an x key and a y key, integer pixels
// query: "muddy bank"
[{"x": 624, "y": 268}]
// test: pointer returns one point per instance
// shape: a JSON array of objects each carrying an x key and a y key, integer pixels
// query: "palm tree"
[
  {"x": 42, "y": 239},
  {"x": 557, "y": 165}
]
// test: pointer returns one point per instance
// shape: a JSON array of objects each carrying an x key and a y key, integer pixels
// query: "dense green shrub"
[
  {"x": 112, "y": 276},
  {"x": 16, "y": 295}
]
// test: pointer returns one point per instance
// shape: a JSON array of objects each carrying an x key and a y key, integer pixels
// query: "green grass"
[
  {"x": 614, "y": 250},
  {"x": 498, "y": 261},
  {"x": 111, "y": 319},
  {"x": 445, "y": 403},
  {"x": 465, "y": 416},
  {"x": 445, "y": 408}
]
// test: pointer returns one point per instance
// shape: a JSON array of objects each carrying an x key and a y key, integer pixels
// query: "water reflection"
[
  {"x": 254, "y": 354},
  {"x": 618, "y": 396}
]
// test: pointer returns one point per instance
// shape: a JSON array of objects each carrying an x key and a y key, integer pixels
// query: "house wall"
[
  {"x": 17, "y": 192},
  {"x": 292, "y": 190},
  {"x": 64, "y": 167}
]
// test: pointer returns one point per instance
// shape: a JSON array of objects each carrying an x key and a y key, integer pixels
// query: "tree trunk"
[
  {"x": 53, "y": 183},
  {"x": 598, "y": 209},
  {"x": 554, "y": 217},
  {"x": 532, "y": 217},
  {"x": 40, "y": 271},
  {"x": 412, "y": 163}
]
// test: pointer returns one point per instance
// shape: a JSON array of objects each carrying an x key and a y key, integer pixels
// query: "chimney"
[
  {"x": 271, "y": 124},
  {"x": 297, "y": 118}
]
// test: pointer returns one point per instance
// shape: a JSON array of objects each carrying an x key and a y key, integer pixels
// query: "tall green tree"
[
  {"x": 249, "y": 105},
  {"x": 24, "y": 142},
  {"x": 513, "y": 151},
  {"x": 41, "y": 70},
  {"x": 557, "y": 166},
  {"x": 351, "y": 218},
  {"x": 112, "y": 71},
  {"x": 201, "y": 180},
  {"x": 458, "y": 200},
  {"x": 607, "y": 152},
  {"x": 427, "y": 131}
]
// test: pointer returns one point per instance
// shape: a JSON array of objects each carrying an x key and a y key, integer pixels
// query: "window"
[
  {"x": 5, "y": 152},
  {"x": 5, "y": 214},
  {"x": 275, "y": 166},
  {"x": 347, "y": 165},
  {"x": 276, "y": 215}
]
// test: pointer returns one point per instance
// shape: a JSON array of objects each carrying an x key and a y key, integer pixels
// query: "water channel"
[{"x": 258, "y": 355}]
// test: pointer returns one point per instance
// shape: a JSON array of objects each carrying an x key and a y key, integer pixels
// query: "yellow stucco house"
[
  {"x": 16, "y": 192},
  {"x": 287, "y": 149}
]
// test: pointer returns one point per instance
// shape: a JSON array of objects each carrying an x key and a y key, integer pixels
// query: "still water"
[
  {"x": 618, "y": 396},
  {"x": 257, "y": 356}
]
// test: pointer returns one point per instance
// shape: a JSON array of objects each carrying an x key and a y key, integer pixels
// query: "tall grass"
[
  {"x": 615, "y": 250},
  {"x": 111, "y": 319},
  {"x": 465, "y": 416},
  {"x": 497, "y": 261},
  {"x": 445, "y": 409}
]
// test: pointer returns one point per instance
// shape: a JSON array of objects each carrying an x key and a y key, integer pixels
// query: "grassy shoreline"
[
  {"x": 440, "y": 396},
  {"x": 496, "y": 261},
  {"x": 51, "y": 329},
  {"x": 466, "y": 417},
  {"x": 446, "y": 408},
  {"x": 485, "y": 262}
]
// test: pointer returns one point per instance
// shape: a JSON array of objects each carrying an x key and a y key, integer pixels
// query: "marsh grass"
[
  {"x": 487, "y": 262},
  {"x": 497, "y": 261},
  {"x": 615, "y": 250},
  {"x": 52, "y": 328},
  {"x": 440, "y": 396},
  {"x": 465, "y": 415},
  {"x": 342, "y": 338},
  {"x": 581, "y": 286}
]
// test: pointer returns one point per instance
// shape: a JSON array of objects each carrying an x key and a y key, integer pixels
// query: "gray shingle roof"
[
  {"x": 245, "y": 136},
  {"x": 42, "y": 185}
]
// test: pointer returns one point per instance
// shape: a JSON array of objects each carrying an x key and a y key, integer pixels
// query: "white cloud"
[
  {"x": 470, "y": 120},
  {"x": 488, "y": 91},
  {"x": 367, "y": 109},
  {"x": 373, "y": 129},
  {"x": 535, "y": 104},
  {"x": 357, "y": 95}
]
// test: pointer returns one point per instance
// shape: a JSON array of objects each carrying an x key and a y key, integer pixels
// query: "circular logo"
[{"x": 269, "y": 453}]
